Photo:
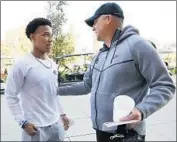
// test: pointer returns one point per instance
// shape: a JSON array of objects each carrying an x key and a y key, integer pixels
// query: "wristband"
[
  {"x": 62, "y": 115},
  {"x": 23, "y": 123}
]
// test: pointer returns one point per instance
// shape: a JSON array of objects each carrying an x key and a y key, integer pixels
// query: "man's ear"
[
  {"x": 32, "y": 37},
  {"x": 109, "y": 18}
]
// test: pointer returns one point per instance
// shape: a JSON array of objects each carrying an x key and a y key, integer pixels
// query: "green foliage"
[
  {"x": 15, "y": 43},
  {"x": 62, "y": 43},
  {"x": 56, "y": 15},
  {"x": 174, "y": 70}
]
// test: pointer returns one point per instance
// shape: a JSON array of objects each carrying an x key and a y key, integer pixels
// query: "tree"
[
  {"x": 62, "y": 43},
  {"x": 15, "y": 43},
  {"x": 56, "y": 15},
  {"x": 5, "y": 50}
]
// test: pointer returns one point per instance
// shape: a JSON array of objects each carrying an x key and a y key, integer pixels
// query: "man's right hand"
[{"x": 30, "y": 129}]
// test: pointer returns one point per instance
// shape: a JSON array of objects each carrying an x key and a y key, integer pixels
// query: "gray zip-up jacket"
[{"x": 129, "y": 67}]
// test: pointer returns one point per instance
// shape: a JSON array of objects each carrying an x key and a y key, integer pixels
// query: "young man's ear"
[{"x": 31, "y": 37}]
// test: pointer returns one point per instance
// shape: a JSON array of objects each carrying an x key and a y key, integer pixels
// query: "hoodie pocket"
[
  {"x": 118, "y": 64},
  {"x": 105, "y": 103},
  {"x": 117, "y": 61}
]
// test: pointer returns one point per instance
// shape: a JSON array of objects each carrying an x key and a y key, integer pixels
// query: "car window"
[
  {"x": 2, "y": 81},
  {"x": 72, "y": 69}
]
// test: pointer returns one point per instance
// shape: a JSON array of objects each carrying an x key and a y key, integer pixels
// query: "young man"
[
  {"x": 126, "y": 65},
  {"x": 32, "y": 88}
]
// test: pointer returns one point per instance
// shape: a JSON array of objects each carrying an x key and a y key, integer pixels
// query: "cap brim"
[{"x": 90, "y": 21}]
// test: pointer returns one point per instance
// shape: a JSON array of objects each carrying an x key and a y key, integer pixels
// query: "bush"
[{"x": 174, "y": 70}]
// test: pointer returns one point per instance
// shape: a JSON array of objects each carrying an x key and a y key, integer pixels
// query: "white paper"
[{"x": 108, "y": 126}]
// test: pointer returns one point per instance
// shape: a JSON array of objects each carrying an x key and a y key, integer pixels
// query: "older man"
[{"x": 126, "y": 65}]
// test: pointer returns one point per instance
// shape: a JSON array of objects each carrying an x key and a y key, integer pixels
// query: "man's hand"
[
  {"x": 30, "y": 129},
  {"x": 134, "y": 115},
  {"x": 65, "y": 121}
]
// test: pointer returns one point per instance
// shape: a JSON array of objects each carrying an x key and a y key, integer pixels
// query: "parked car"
[
  {"x": 169, "y": 71},
  {"x": 2, "y": 86},
  {"x": 72, "y": 68}
]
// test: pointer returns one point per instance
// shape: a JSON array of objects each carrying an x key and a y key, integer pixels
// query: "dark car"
[
  {"x": 2, "y": 87},
  {"x": 72, "y": 68},
  {"x": 166, "y": 63}
]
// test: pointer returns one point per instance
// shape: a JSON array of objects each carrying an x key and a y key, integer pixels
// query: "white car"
[{"x": 2, "y": 87}]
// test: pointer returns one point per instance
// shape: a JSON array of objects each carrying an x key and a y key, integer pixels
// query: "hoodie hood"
[
  {"x": 121, "y": 35},
  {"x": 127, "y": 31}
]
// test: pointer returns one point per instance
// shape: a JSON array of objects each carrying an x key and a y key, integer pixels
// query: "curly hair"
[{"x": 34, "y": 24}]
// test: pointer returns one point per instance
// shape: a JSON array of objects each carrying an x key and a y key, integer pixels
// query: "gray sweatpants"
[{"x": 54, "y": 132}]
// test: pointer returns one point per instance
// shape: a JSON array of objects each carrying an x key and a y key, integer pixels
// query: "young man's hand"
[
  {"x": 30, "y": 129},
  {"x": 65, "y": 121}
]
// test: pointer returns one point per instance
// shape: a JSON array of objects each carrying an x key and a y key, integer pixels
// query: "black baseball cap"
[{"x": 107, "y": 8}]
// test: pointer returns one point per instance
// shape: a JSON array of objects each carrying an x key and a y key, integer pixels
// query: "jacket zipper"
[
  {"x": 99, "y": 83},
  {"x": 97, "y": 90}
]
